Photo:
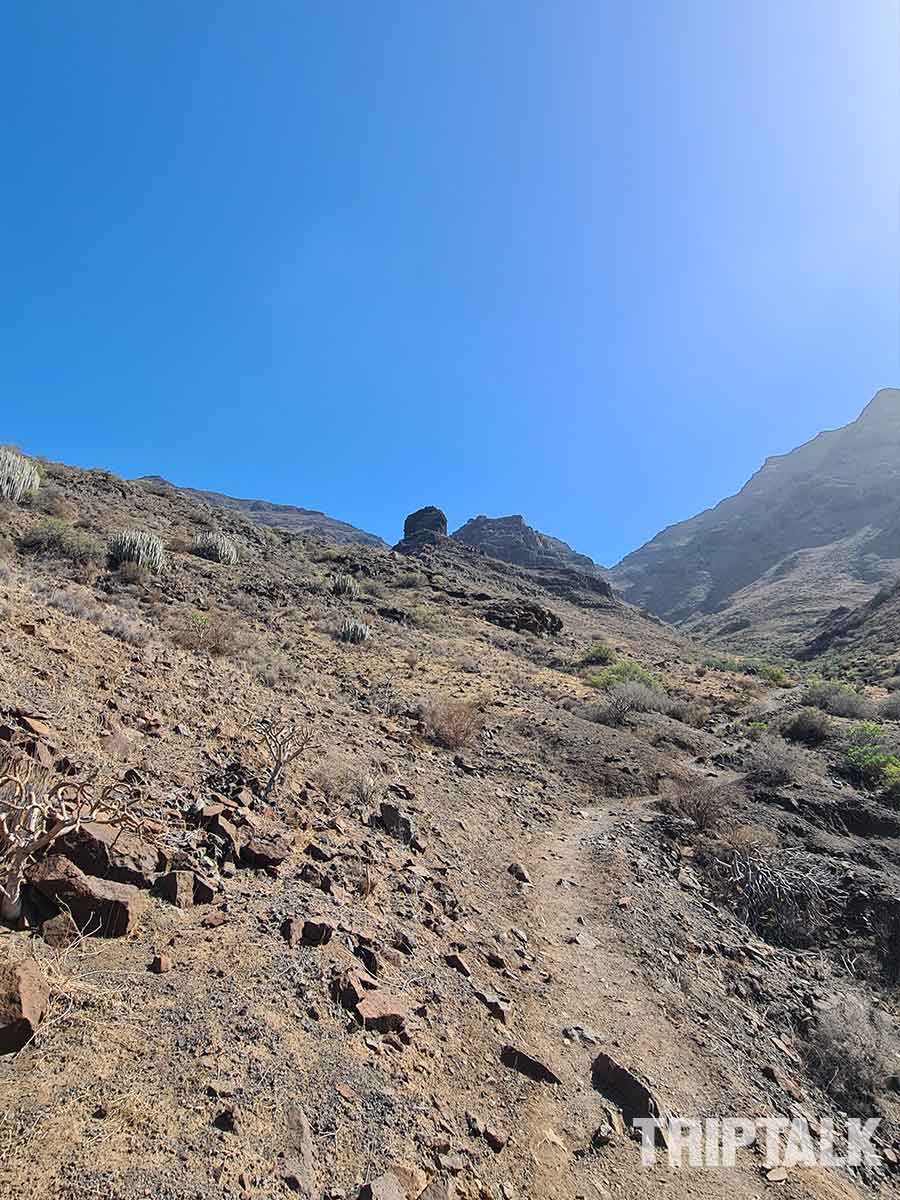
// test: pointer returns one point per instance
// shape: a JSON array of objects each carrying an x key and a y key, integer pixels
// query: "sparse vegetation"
[
  {"x": 622, "y": 672},
  {"x": 452, "y": 723},
  {"x": 870, "y": 758},
  {"x": 411, "y": 579},
  {"x": 598, "y": 655},
  {"x": 19, "y": 476},
  {"x": 57, "y": 539},
  {"x": 838, "y": 699},
  {"x": 285, "y": 741},
  {"x": 810, "y": 727},
  {"x": 851, "y": 1051},
  {"x": 771, "y": 763},
  {"x": 215, "y": 547},
  {"x": 354, "y": 632},
  {"x": 136, "y": 546},
  {"x": 343, "y": 584},
  {"x": 707, "y": 804}
]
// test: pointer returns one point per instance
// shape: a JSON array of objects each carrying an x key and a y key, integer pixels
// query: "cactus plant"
[
  {"x": 216, "y": 547},
  {"x": 354, "y": 632},
  {"x": 343, "y": 584},
  {"x": 136, "y": 546},
  {"x": 18, "y": 475}
]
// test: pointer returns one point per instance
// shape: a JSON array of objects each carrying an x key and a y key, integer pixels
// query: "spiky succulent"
[
  {"x": 18, "y": 475},
  {"x": 216, "y": 547},
  {"x": 136, "y": 546},
  {"x": 354, "y": 632}
]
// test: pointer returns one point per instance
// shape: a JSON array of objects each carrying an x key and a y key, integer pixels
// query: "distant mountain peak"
[{"x": 512, "y": 540}]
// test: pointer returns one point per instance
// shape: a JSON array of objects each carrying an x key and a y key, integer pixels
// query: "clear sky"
[{"x": 587, "y": 260}]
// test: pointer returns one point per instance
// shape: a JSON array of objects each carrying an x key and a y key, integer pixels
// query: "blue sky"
[{"x": 586, "y": 261}]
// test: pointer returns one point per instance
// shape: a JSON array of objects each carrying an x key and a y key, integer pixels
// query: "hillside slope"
[
  {"x": 812, "y": 531},
  {"x": 470, "y": 931},
  {"x": 305, "y": 521}
]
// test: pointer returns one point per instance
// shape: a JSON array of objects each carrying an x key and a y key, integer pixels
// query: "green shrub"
[
  {"x": 215, "y": 547},
  {"x": 598, "y": 655},
  {"x": 890, "y": 708},
  {"x": 412, "y": 579},
  {"x": 722, "y": 662},
  {"x": 19, "y": 476},
  {"x": 869, "y": 758},
  {"x": 623, "y": 672},
  {"x": 137, "y": 546},
  {"x": 771, "y": 672},
  {"x": 60, "y": 540},
  {"x": 809, "y": 726}
]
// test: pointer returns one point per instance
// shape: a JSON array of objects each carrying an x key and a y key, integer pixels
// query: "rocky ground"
[{"x": 469, "y": 932}]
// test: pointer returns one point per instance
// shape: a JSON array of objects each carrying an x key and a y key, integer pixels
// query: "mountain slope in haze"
[
  {"x": 814, "y": 530},
  {"x": 305, "y": 521},
  {"x": 512, "y": 541}
]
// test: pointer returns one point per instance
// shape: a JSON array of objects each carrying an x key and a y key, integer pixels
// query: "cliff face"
[
  {"x": 813, "y": 530},
  {"x": 511, "y": 540}
]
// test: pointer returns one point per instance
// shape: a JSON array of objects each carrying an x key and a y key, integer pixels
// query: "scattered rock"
[
  {"x": 458, "y": 963},
  {"x": 394, "y": 822},
  {"x": 523, "y": 616},
  {"x": 382, "y": 1011},
  {"x": 624, "y": 1089},
  {"x": 299, "y": 1168},
  {"x": 161, "y": 964},
  {"x": 518, "y": 1060},
  {"x": 261, "y": 852},
  {"x": 96, "y": 905},
  {"x": 184, "y": 889},
  {"x": 496, "y": 1005},
  {"x": 24, "y": 997},
  {"x": 518, "y": 872}
]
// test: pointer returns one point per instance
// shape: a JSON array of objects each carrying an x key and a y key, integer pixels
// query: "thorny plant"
[
  {"x": 36, "y": 810},
  {"x": 285, "y": 742}
]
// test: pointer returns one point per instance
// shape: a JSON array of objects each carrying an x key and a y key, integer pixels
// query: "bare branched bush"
[
  {"x": 771, "y": 763},
  {"x": 36, "y": 809},
  {"x": 452, "y": 723},
  {"x": 785, "y": 894},
  {"x": 852, "y": 1051},
  {"x": 215, "y": 547},
  {"x": 126, "y": 629},
  {"x": 285, "y": 741},
  {"x": 19, "y": 476}
]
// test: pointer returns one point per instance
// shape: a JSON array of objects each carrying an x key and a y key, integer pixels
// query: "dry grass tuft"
[{"x": 452, "y": 723}]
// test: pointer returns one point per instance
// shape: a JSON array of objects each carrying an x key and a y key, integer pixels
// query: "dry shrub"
[
  {"x": 212, "y": 633},
  {"x": 126, "y": 629},
  {"x": 771, "y": 763},
  {"x": 337, "y": 776},
  {"x": 852, "y": 1051},
  {"x": 452, "y": 723},
  {"x": 131, "y": 573},
  {"x": 810, "y": 726},
  {"x": 708, "y": 805}
]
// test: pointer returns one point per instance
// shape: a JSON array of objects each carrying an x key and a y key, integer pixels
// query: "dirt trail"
[{"x": 587, "y": 882}]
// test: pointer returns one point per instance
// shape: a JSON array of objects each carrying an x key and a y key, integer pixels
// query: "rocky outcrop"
[
  {"x": 97, "y": 905},
  {"x": 523, "y": 616},
  {"x": 512, "y": 541},
  {"x": 425, "y": 520}
]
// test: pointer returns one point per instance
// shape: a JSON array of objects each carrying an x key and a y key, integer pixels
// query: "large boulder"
[
  {"x": 111, "y": 853},
  {"x": 24, "y": 996},
  {"x": 425, "y": 520},
  {"x": 97, "y": 905}
]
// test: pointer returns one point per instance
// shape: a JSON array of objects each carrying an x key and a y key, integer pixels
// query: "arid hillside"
[
  {"x": 814, "y": 530},
  {"x": 373, "y": 875}
]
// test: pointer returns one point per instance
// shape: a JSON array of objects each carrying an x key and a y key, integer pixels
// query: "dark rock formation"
[
  {"x": 512, "y": 541},
  {"x": 425, "y": 520},
  {"x": 523, "y": 616}
]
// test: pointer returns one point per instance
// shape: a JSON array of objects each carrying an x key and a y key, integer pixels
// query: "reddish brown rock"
[
  {"x": 184, "y": 889},
  {"x": 109, "y": 853},
  {"x": 161, "y": 964},
  {"x": 382, "y": 1011},
  {"x": 24, "y": 996},
  {"x": 60, "y": 931},
  {"x": 97, "y": 905},
  {"x": 261, "y": 852}
]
